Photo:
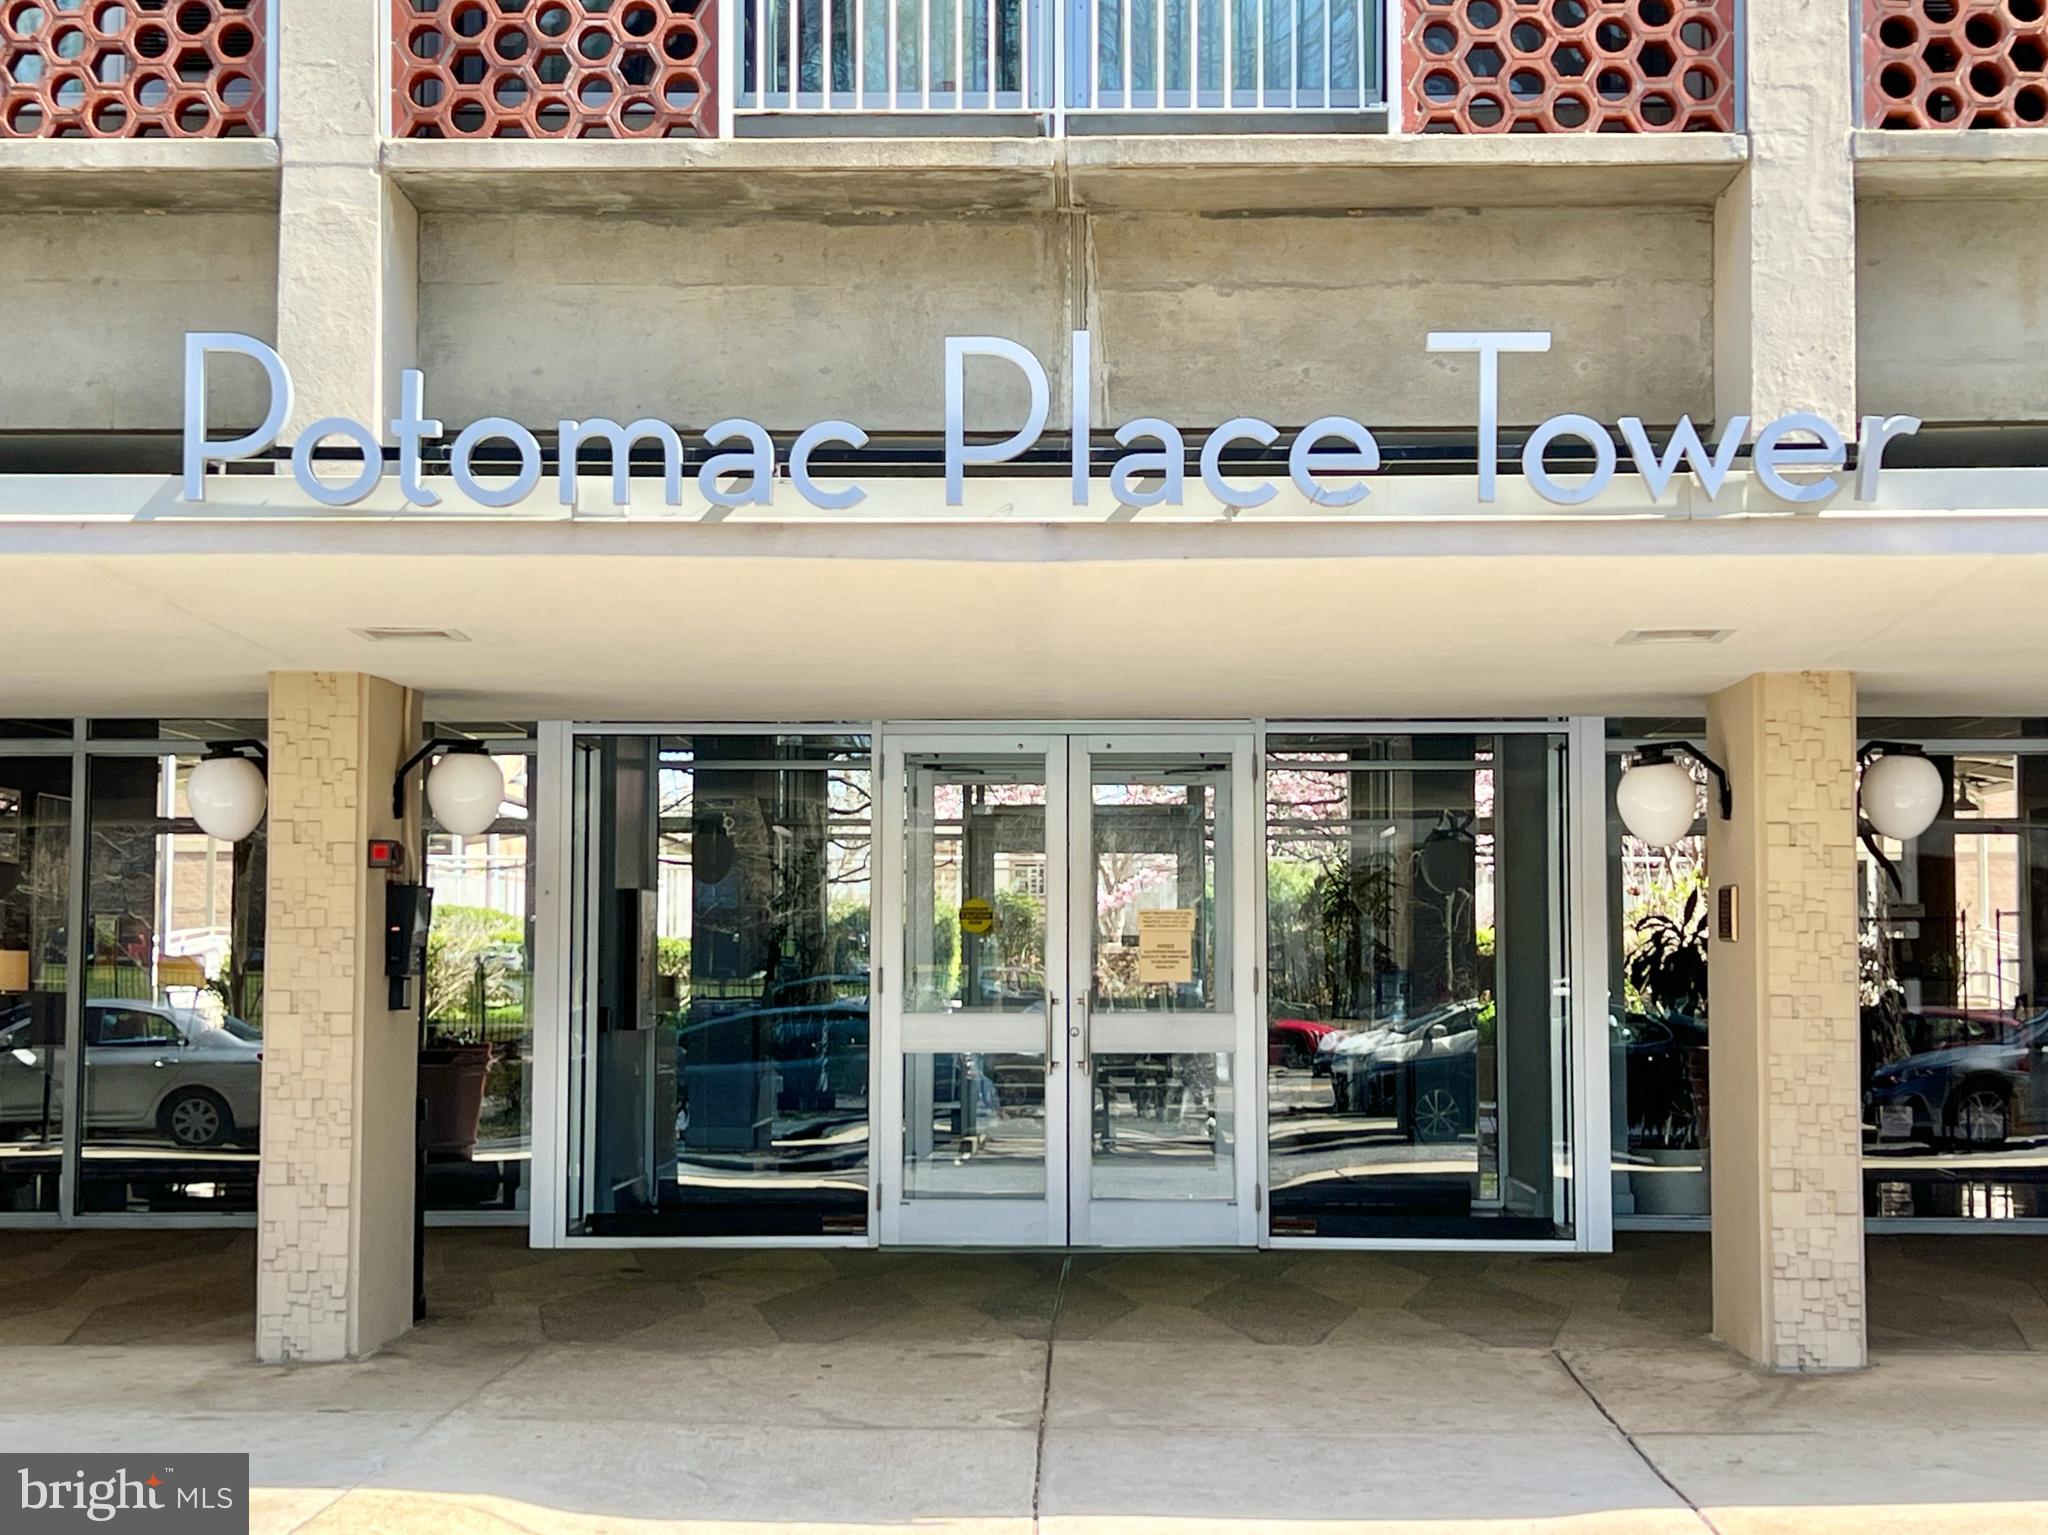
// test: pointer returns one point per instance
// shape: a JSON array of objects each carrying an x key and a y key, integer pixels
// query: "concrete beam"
[
  {"x": 137, "y": 175},
  {"x": 1202, "y": 173},
  {"x": 1221, "y": 173},
  {"x": 1993, "y": 162}
]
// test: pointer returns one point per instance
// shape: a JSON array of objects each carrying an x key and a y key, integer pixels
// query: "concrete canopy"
[{"x": 643, "y": 621}]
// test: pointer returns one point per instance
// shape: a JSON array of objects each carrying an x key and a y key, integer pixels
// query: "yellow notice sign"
[
  {"x": 1166, "y": 945},
  {"x": 977, "y": 916},
  {"x": 180, "y": 970}
]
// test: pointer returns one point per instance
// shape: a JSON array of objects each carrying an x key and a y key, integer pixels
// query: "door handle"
[
  {"x": 1052, "y": 1037},
  {"x": 1082, "y": 1033},
  {"x": 159, "y": 1061}
]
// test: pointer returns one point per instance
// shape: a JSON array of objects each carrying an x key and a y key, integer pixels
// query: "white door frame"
[
  {"x": 1586, "y": 802},
  {"x": 1232, "y": 1031},
  {"x": 897, "y": 1033}
]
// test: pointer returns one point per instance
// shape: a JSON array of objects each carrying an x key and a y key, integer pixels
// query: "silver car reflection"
[{"x": 165, "y": 1071}]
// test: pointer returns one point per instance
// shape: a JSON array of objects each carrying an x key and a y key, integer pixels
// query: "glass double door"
[{"x": 1067, "y": 986}]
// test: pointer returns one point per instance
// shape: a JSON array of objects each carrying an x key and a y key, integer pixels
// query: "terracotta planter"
[{"x": 452, "y": 1081}]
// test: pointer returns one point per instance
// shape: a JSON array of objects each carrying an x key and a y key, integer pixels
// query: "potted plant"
[
  {"x": 465, "y": 983},
  {"x": 1666, "y": 971}
]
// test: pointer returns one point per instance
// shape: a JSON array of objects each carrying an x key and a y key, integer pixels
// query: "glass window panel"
[
  {"x": 1418, "y": 997},
  {"x": 975, "y": 911},
  {"x": 1165, "y": 1127},
  {"x": 973, "y": 1126},
  {"x": 35, "y": 895},
  {"x": 476, "y": 1055},
  {"x": 1954, "y": 1031},
  {"x": 724, "y": 1046},
  {"x": 173, "y": 999},
  {"x": 196, "y": 730},
  {"x": 1161, "y": 861},
  {"x": 1660, "y": 904}
]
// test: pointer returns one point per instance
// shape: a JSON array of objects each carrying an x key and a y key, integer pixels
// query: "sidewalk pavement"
[{"x": 1421, "y": 1394}]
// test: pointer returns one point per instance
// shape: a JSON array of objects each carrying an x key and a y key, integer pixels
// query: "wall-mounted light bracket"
[
  {"x": 449, "y": 744},
  {"x": 1666, "y": 751},
  {"x": 254, "y": 750},
  {"x": 1918, "y": 799}
]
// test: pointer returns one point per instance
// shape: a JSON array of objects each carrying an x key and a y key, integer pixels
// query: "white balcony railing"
[{"x": 1054, "y": 57}]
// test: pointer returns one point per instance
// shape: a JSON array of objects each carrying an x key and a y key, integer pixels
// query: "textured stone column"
[
  {"x": 1784, "y": 1078},
  {"x": 335, "y": 1209},
  {"x": 1785, "y": 232},
  {"x": 347, "y": 280}
]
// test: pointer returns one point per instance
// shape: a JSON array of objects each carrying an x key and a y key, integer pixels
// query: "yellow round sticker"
[{"x": 977, "y": 916}]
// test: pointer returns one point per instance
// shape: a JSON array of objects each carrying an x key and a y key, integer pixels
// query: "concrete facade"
[
  {"x": 790, "y": 320},
  {"x": 335, "y": 1214},
  {"x": 1968, "y": 348},
  {"x": 102, "y": 301},
  {"x": 1786, "y": 1150},
  {"x": 1795, "y": 266}
]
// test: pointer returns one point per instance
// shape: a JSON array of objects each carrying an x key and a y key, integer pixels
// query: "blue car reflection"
[{"x": 1975, "y": 1092}]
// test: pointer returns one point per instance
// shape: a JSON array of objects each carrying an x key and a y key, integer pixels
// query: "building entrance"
[{"x": 1068, "y": 1020}]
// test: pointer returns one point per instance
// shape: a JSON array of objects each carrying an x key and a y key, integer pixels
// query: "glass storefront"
[
  {"x": 476, "y": 1038},
  {"x": 1659, "y": 901},
  {"x": 1090, "y": 956},
  {"x": 1418, "y": 1013},
  {"x": 36, "y": 810},
  {"x": 125, "y": 929},
  {"x": 1953, "y": 935},
  {"x": 173, "y": 1037},
  {"x": 1954, "y": 958},
  {"x": 718, "y": 1022}
]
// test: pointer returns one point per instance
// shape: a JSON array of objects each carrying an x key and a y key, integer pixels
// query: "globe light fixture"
[
  {"x": 1902, "y": 792},
  {"x": 1657, "y": 797},
  {"x": 226, "y": 791},
  {"x": 464, "y": 789}
]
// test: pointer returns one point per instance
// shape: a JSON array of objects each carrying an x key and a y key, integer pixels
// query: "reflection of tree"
[
  {"x": 1882, "y": 993},
  {"x": 463, "y": 983},
  {"x": 1020, "y": 933},
  {"x": 1667, "y": 956},
  {"x": 1173, "y": 828},
  {"x": 1354, "y": 909},
  {"x": 44, "y": 893}
]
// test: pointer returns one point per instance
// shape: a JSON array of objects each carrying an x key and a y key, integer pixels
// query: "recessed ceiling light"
[
  {"x": 411, "y": 632},
  {"x": 1674, "y": 636}
]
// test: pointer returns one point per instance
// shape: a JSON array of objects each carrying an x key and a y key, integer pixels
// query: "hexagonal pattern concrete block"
[
  {"x": 1570, "y": 66},
  {"x": 131, "y": 69},
  {"x": 582, "y": 69},
  {"x": 1955, "y": 63}
]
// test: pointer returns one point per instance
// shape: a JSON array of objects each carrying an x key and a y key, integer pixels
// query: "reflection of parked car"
[
  {"x": 1968, "y": 1093},
  {"x": 817, "y": 1048},
  {"x": 1297, "y": 1043},
  {"x": 148, "y": 1067},
  {"x": 1423, "y": 1071},
  {"x": 1949, "y": 1028}
]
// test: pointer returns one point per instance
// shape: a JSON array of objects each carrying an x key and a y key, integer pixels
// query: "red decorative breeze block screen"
[
  {"x": 131, "y": 69},
  {"x": 1952, "y": 64},
  {"x": 1570, "y": 66},
  {"x": 578, "y": 69}
]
